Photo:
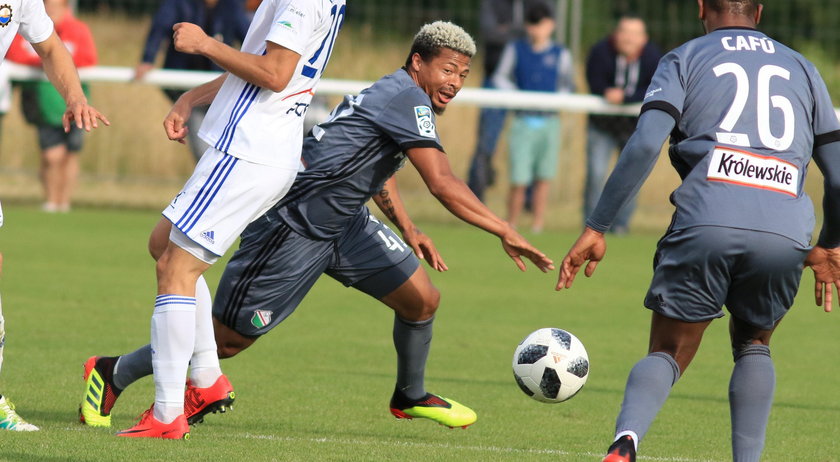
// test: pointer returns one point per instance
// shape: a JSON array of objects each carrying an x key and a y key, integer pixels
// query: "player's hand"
[
  {"x": 188, "y": 38},
  {"x": 83, "y": 115},
  {"x": 424, "y": 248},
  {"x": 590, "y": 246},
  {"x": 517, "y": 247},
  {"x": 825, "y": 263},
  {"x": 175, "y": 122}
]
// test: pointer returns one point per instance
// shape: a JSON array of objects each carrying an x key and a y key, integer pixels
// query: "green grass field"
[{"x": 317, "y": 387}]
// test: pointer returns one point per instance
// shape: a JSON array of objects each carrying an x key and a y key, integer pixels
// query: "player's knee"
[
  {"x": 432, "y": 303},
  {"x": 162, "y": 266},
  {"x": 228, "y": 350},
  {"x": 229, "y": 342},
  {"x": 749, "y": 345},
  {"x": 423, "y": 308}
]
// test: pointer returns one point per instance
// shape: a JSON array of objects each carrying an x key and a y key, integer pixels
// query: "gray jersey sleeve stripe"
[
  {"x": 421, "y": 144},
  {"x": 826, "y": 138},
  {"x": 663, "y": 106}
]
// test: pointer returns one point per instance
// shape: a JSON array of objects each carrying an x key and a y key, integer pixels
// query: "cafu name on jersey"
[{"x": 748, "y": 43}]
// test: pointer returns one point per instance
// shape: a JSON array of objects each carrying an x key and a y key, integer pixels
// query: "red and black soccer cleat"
[
  {"x": 623, "y": 450},
  {"x": 149, "y": 427},
  {"x": 199, "y": 402}
]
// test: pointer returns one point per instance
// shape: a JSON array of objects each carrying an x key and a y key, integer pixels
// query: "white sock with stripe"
[
  {"x": 204, "y": 365},
  {"x": 173, "y": 339}
]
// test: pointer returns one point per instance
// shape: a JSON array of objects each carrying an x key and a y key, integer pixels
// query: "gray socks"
[
  {"x": 133, "y": 366},
  {"x": 648, "y": 386},
  {"x": 412, "y": 341},
  {"x": 750, "y": 398}
]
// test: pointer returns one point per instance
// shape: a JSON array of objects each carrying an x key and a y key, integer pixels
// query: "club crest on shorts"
[
  {"x": 425, "y": 125},
  {"x": 5, "y": 15},
  {"x": 261, "y": 318}
]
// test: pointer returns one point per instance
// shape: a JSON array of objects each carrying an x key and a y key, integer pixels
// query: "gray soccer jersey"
[
  {"x": 749, "y": 112},
  {"x": 351, "y": 155}
]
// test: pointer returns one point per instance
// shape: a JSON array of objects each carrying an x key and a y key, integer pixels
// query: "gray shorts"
[
  {"x": 50, "y": 136},
  {"x": 698, "y": 270},
  {"x": 274, "y": 268}
]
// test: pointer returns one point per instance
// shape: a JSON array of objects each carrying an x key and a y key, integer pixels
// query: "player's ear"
[
  {"x": 702, "y": 14},
  {"x": 416, "y": 62},
  {"x": 758, "y": 11}
]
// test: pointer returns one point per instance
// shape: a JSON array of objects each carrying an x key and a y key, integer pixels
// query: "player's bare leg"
[
  {"x": 750, "y": 389},
  {"x": 173, "y": 342},
  {"x": 672, "y": 346},
  {"x": 415, "y": 303},
  {"x": 208, "y": 389}
]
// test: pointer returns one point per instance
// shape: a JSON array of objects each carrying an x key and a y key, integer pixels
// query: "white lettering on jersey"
[
  {"x": 652, "y": 92},
  {"x": 748, "y": 43},
  {"x": 423, "y": 114},
  {"x": 752, "y": 170}
]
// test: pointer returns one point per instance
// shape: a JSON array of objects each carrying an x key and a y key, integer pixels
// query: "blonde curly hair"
[{"x": 441, "y": 34}]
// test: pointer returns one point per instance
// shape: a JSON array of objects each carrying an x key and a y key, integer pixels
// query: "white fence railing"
[{"x": 475, "y": 96}]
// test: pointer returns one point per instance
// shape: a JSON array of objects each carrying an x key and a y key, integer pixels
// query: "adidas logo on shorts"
[{"x": 209, "y": 236}]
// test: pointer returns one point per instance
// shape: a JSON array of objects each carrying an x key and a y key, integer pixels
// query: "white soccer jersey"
[
  {"x": 25, "y": 17},
  {"x": 257, "y": 124}
]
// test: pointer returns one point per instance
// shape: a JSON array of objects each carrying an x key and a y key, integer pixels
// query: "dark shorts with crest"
[
  {"x": 699, "y": 270},
  {"x": 274, "y": 268}
]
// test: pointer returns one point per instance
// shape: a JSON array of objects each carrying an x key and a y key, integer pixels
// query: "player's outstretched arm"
[
  {"x": 273, "y": 70},
  {"x": 175, "y": 123},
  {"x": 454, "y": 194},
  {"x": 60, "y": 70},
  {"x": 389, "y": 201},
  {"x": 590, "y": 247}
]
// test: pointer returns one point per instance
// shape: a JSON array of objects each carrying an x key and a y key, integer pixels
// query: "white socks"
[
  {"x": 204, "y": 365},
  {"x": 173, "y": 340}
]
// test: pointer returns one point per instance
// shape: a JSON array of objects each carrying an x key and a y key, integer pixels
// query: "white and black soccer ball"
[{"x": 550, "y": 365}]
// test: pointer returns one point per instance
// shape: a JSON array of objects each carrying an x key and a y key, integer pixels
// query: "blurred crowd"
[{"x": 519, "y": 52}]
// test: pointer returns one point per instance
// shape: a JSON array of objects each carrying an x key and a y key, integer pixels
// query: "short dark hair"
[
  {"x": 537, "y": 11},
  {"x": 739, "y": 7}
]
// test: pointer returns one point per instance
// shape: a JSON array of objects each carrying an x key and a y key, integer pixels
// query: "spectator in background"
[
  {"x": 44, "y": 107},
  {"x": 501, "y": 22},
  {"x": 535, "y": 63},
  {"x": 5, "y": 92},
  {"x": 619, "y": 68},
  {"x": 224, "y": 20}
]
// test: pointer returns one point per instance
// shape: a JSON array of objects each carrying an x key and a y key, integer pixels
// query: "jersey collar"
[{"x": 735, "y": 28}]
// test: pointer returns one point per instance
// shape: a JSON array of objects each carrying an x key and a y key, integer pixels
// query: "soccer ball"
[{"x": 550, "y": 365}]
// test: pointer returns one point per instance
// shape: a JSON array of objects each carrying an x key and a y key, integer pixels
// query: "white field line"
[{"x": 413, "y": 444}]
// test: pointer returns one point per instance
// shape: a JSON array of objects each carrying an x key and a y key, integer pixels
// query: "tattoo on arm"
[{"x": 388, "y": 207}]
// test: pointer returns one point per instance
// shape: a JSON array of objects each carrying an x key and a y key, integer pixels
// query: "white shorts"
[{"x": 223, "y": 195}]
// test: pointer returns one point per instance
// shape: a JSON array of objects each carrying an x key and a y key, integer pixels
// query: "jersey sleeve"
[
  {"x": 294, "y": 25},
  {"x": 410, "y": 121},
  {"x": 35, "y": 25},
  {"x": 826, "y": 125},
  {"x": 666, "y": 91}
]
